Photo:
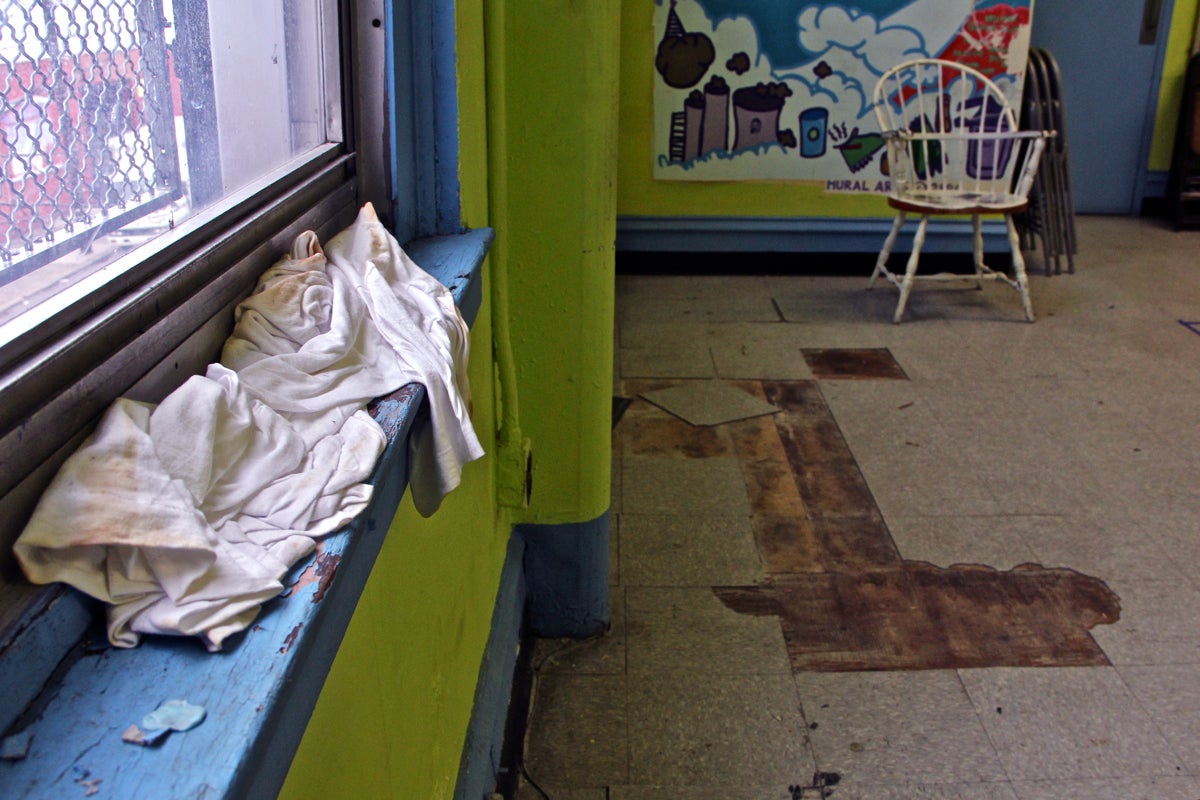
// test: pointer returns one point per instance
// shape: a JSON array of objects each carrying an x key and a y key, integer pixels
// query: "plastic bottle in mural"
[{"x": 813, "y": 125}]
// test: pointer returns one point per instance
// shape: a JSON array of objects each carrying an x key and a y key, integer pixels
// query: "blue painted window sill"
[{"x": 260, "y": 691}]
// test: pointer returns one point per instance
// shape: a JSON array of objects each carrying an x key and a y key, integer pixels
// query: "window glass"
[{"x": 121, "y": 118}]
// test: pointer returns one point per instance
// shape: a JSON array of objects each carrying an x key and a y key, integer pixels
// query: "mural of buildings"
[
  {"x": 756, "y": 111},
  {"x": 797, "y": 87}
]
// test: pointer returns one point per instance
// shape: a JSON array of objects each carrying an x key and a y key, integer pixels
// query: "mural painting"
[{"x": 782, "y": 89}]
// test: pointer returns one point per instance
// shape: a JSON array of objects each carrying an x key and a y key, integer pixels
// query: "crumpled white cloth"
[{"x": 185, "y": 517}]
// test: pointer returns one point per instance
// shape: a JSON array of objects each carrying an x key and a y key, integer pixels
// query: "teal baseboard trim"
[
  {"x": 1156, "y": 184},
  {"x": 482, "y": 759},
  {"x": 566, "y": 571},
  {"x": 794, "y": 235}
]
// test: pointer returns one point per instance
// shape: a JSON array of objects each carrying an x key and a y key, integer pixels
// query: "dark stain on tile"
[
  {"x": 919, "y": 616},
  {"x": 873, "y": 363}
]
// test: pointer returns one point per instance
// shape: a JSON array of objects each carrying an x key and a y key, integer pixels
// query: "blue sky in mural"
[{"x": 780, "y": 43}]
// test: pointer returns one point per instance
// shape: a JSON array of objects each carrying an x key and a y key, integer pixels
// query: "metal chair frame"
[{"x": 953, "y": 147}]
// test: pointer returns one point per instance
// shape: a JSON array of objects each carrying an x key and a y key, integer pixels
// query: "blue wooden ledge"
[{"x": 260, "y": 690}]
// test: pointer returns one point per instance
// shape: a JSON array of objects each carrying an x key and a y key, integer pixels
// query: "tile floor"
[{"x": 1070, "y": 443}]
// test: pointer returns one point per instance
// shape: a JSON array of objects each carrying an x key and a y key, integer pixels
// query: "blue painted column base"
[{"x": 566, "y": 572}]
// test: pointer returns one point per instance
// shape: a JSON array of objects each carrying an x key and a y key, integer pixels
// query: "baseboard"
[
  {"x": 482, "y": 768},
  {"x": 566, "y": 571},
  {"x": 793, "y": 234},
  {"x": 1156, "y": 184},
  {"x": 554, "y": 583}
]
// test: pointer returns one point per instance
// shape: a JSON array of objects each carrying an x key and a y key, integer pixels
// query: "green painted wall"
[{"x": 537, "y": 105}]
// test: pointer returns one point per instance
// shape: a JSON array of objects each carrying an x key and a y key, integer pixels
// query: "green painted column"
[{"x": 552, "y": 104}]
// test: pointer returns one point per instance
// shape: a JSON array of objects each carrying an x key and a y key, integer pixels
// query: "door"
[{"x": 1110, "y": 52}]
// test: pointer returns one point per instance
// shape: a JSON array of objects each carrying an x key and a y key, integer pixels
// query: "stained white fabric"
[{"x": 186, "y": 516}]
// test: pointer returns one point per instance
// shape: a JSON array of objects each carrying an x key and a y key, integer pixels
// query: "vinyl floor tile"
[
  {"x": 1153, "y": 788},
  {"x": 687, "y": 550},
  {"x": 690, "y": 630},
  {"x": 699, "y": 792},
  {"x": 1064, "y": 723},
  {"x": 1160, "y": 624},
  {"x": 580, "y": 735},
  {"x": 1171, "y": 695},
  {"x": 911, "y": 789},
  {"x": 672, "y": 486},
  {"x": 896, "y": 727},
  {"x": 767, "y": 350},
  {"x": 993, "y": 541},
  {"x": 716, "y": 730}
]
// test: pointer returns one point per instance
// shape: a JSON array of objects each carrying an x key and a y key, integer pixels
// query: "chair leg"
[
  {"x": 1014, "y": 242},
  {"x": 886, "y": 252},
  {"x": 977, "y": 227},
  {"x": 910, "y": 272}
]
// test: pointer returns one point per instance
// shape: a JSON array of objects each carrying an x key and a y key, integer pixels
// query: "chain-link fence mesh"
[{"x": 87, "y": 136}]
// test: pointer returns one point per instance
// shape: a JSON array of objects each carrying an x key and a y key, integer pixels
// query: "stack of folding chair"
[{"x": 1051, "y": 212}]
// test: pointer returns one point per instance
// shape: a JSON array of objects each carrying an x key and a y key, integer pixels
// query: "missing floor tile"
[
  {"x": 920, "y": 616},
  {"x": 708, "y": 402},
  {"x": 853, "y": 363},
  {"x": 846, "y": 598},
  {"x": 619, "y": 404}
]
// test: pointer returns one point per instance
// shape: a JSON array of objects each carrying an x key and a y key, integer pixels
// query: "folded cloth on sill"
[{"x": 186, "y": 516}]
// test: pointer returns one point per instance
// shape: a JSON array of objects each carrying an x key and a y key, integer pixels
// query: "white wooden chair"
[{"x": 953, "y": 148}]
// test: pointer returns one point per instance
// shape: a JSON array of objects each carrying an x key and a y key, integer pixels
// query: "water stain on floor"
[{"x": 846, "y": 598}]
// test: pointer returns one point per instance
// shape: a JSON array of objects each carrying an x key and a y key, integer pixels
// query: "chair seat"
[
  {"x": 953, "y": 147},
  {"x": 942, "y": 202}
]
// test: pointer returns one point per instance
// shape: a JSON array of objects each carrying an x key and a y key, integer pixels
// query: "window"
[
  {"x": 158, "y": 156},
  {"x": 120, "y": 119}
]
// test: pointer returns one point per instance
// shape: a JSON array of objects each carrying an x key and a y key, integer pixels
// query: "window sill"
[{"x": 260, "y": 691}]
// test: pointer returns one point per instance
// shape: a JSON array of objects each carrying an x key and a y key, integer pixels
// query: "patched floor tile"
[{"x": 981, "y": 440}]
